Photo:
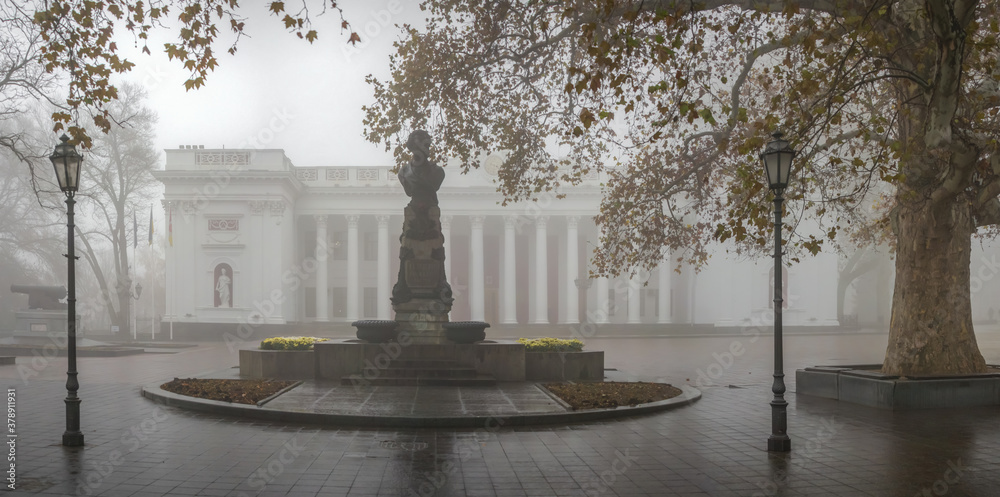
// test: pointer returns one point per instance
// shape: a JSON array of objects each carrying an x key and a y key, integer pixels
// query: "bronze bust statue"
[{"x": 420, "y": 177}]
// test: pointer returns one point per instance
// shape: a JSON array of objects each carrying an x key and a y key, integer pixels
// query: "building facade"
[{"x": 256, "y": 240}]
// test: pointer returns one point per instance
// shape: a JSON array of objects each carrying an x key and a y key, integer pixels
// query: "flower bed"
[
  {"x": 612, "y": 394},
  {"x": 238, "y": 391},
  {"x": 556, "y": 359},
  {"x": 286, "y": 358},
  {"x": 290, "y": 343},
  {"x": 550, "y": 345}
]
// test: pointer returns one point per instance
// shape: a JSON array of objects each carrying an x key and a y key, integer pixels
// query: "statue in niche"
[{"x": 223, "y": 286}]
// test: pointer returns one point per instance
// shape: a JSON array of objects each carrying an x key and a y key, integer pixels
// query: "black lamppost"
[
  {"x": 777, "y": 160},
  {"x": 67, "y": 162}
]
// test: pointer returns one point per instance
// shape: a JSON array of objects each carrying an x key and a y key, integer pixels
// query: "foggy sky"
[{"x": 279, "y": 91}]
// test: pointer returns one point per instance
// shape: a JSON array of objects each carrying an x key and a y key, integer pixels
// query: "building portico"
[{"x": 321, "y": 244}]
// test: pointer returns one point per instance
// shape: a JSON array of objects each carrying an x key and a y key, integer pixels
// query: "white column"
[
  {"x": 169, "y": 269},
  {"x": 633, "y": 300},
  {"x": 446, "y": 232},
  {"x": 664, "y": 291},
  {"x": 572, "y": 270},
  {"x": 352, "y": 267},
  {"x": 541, "y": 272},
  {"x": 322, "y": 271},
  {"x": 383, "y": 267},
  {"x": 477, "y": 280},
  {"x": 603, "y": 304},
  {"x": 509, "y": 271}
]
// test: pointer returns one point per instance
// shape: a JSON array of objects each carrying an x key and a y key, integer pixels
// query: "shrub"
[
  {"x": 290, "y": 343},
  {"x": 551, "y": 345}
]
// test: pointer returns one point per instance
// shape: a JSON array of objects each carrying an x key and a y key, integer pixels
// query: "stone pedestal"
[
  {"x": 423, "y": 320},
  {"x": 422, "y": 296},
  {"x": 38, "y": 322},
  {"x": 336, "y": 359}
]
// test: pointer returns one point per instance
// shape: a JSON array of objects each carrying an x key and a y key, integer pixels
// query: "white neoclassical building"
[{"x": 258, "y": 240}]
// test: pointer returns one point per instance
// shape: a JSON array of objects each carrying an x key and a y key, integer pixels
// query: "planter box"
[
  {"x": 872, "y": 388},
  {"x": 335, "y": 359},
  {"x": 564, "y": 366},
  {"x": 278, "y": 364}
]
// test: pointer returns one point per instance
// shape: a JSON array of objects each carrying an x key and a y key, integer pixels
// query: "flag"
[
  {"x": 135, "y": 231},
  {"x": 170, "y": 234},
  {"x": 150, "y": 225}
]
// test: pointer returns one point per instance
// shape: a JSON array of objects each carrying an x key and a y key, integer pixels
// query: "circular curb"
[{"x": 155, "y": 393}]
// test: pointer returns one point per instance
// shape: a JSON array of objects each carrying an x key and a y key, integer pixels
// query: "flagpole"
[
  {"x": 135, "y": 272},
  {"x": 152, "y": 279},
  {"x": 168, "y": 298},
  {"x": 152, "y": 283},
  {"x": 134, "y": 307}
]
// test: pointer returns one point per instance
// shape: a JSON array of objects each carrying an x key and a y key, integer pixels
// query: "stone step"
[
  {"x": 385, "y": 380},
  {"x": 429, "y": 372},
  {"x": 423, "y": 364}
]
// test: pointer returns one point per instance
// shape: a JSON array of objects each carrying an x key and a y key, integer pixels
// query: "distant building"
[{"x": 256, "y": 240}]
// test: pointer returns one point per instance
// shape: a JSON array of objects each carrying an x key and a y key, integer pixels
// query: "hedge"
[
  {"x": 551, "y": 345},
  {"x": 290, "y": 343}
]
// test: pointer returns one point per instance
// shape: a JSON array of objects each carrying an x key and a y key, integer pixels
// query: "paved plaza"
[{"x": 712, "y": 447}]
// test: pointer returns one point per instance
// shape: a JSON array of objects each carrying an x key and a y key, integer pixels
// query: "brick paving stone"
[{"x": 712, "y": 447}]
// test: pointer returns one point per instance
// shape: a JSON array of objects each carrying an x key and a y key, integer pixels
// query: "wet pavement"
[
  {"x": 713, "y": 447},
  {"x": 334, "y": 398},
  {"x": 332, "y": 403}
]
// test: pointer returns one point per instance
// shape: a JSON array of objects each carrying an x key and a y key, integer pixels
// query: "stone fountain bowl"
[
  {"x": 376, "y": 330},
  {"x": 466, "y": 331}
]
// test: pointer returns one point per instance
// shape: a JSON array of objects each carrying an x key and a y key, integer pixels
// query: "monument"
[
  {"x": 421, "y": 347},
  {"x": 421, "y": 296},
  {"x": 44, "y": 314}
]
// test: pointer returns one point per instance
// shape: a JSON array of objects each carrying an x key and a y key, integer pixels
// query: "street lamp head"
[
  {"x": 777, "y": 159},
  {"x": 66, "y": 161}
]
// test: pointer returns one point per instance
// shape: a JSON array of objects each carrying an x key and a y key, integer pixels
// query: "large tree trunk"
[{"x": 931, "y": 328}]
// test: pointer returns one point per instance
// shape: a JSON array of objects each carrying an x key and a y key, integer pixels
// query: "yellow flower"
[
  {"x": 549, "y": 344},
  {"x": 290, "y": 343}
]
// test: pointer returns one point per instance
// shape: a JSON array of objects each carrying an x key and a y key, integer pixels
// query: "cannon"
[{"x": 42, "y": 297}]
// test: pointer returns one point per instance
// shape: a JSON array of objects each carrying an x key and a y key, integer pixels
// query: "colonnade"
[{"x": 569, "y": 287}]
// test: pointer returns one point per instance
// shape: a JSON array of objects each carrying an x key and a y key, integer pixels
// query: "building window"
[
  {"x": 339, "y": 308},
  {"x": 308, "y": 245},
  {"x": 371, "y": 302},
  {"x": 339, "y": 242},
  {"x": 310, "y": 302},
  {"x": 371, "y": 246},
  {"x": 648, "y": 299}
]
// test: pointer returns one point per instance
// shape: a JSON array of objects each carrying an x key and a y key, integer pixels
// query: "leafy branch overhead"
[
  {"x": 894, "y": 107},
  {"x": 672, "y": 102},
  {"x": 79, "y": 39}
]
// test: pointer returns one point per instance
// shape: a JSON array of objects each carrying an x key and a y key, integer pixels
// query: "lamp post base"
[
  {"x": 779, "y": 444},
  {"x": 72, "y": 439}
]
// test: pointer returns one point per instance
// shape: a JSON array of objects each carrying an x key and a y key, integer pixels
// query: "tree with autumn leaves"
[
  {"x": 893, "y": 105},
  {"x": 81, "y": 39}
]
